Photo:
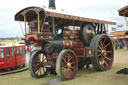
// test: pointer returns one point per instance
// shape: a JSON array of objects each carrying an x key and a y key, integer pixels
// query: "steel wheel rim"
[
  {"x": 38, "y": 65},
  {"x": 105, "y": 53},
  {"x": 68, "y": 65}
]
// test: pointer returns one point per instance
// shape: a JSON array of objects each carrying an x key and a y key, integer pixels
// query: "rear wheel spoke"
[
  {"x": 99, "y": 54},
  {"x": 109, "y": 51},
  {"x": 102, "y": 63},
  {"x": 100, "y": 47},
  {"x": 101, "y": 44},
  {"x": 107, "y": 45},
  {"x": 99, "y": 51},
  {"x": 107, "y": 58},
  {"x": 104, "y": 40}
]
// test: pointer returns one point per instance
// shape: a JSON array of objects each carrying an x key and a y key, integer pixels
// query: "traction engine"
[{"x": 65, "y": 42}]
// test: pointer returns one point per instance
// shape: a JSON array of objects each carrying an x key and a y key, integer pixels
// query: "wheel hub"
[
  {"x": 69, "y": 65},
  {"x": 104, "y": 52}
]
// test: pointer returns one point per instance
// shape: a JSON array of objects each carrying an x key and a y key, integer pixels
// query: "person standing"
[{"x": 127, "y": 44}]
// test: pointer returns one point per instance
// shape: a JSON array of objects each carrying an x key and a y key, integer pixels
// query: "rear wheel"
[
  {"x": 66, "y": 65},
  {"x": 103, "y": 52},
  {"x": 36, "y": 64}
]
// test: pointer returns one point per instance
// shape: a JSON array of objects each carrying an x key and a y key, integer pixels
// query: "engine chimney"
[{"x": 52, "y": 4}]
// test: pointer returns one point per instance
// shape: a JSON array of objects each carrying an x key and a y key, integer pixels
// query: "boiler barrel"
[{"x": 51, "y": 46}]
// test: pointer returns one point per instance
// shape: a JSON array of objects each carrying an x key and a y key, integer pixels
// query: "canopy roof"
[
  {"x": 31, "y": 13},
  {"x": 123, "y": 11}
]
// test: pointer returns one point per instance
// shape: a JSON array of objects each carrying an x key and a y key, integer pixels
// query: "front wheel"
[
  {"x": 36, "y": 64},
  {"x": 66, "y": 65},
  {"x": 103, "y": 52}
]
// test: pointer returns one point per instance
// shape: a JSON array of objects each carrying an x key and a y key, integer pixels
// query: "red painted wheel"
[
  {"x": 66, "y": 65},
  {"x": 36, "y": 64},
  {"x": 103, "y": 52}
]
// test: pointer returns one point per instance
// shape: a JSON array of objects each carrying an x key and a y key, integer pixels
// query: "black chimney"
[{"x": 52, "y": 4}]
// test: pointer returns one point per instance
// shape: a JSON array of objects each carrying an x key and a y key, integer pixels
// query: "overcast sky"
[{"x": 98, "y": 9}]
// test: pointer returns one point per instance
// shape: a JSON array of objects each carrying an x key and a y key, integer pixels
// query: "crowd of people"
[{"x": 121, "y": 45}]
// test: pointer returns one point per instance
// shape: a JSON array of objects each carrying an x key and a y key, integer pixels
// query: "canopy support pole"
[
  {"x": 25, "y": 23},
  {"x": 43, "y": 24},
  {"x": 21, "y": 29},
  {"x": 53, "y": 23},
  {"x": 38, "y": 23},
  {"x": 126, "y": 19}
]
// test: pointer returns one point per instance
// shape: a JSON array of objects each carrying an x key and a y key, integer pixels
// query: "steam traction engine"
[{"x": 66, "y": 42}]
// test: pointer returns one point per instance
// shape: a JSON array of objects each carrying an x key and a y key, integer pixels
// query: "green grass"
[{"x": 83, "y": 77}]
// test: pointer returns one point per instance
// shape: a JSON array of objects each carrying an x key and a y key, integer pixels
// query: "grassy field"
[{"x": 83, "y": 77}]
